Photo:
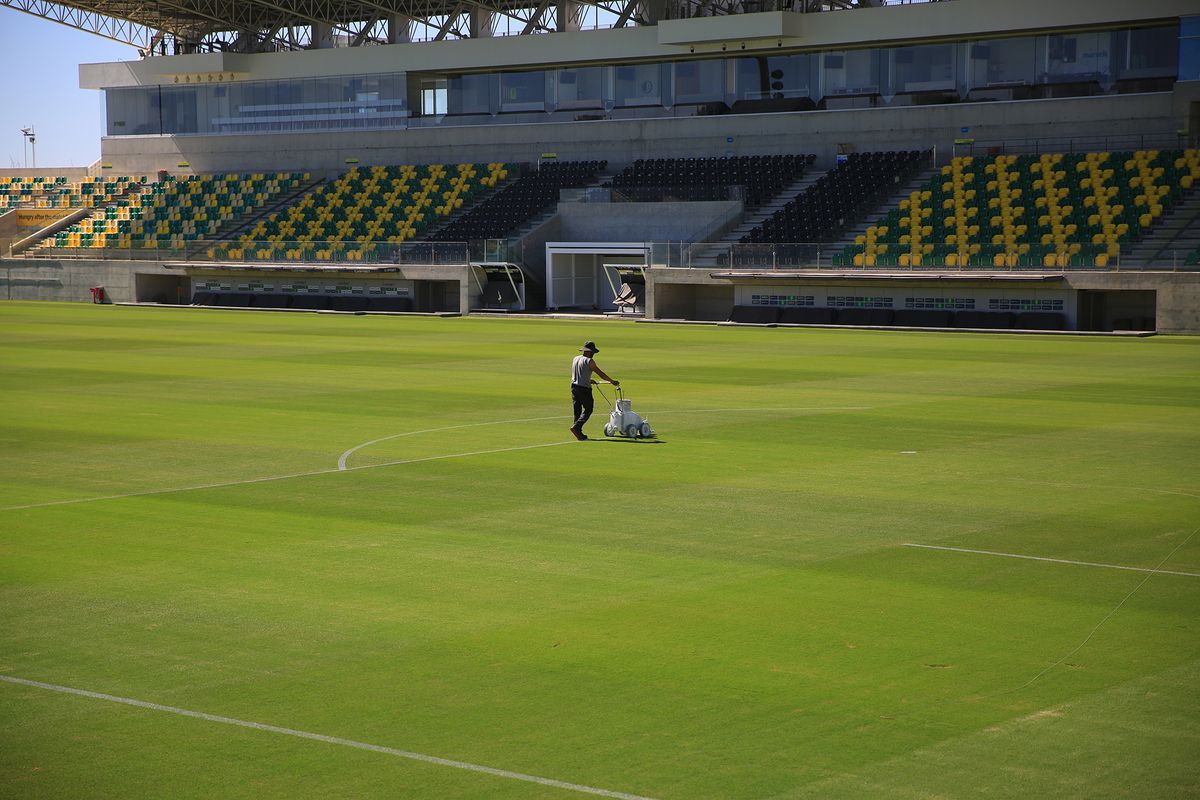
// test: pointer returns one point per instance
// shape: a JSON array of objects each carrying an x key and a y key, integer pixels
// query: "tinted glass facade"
[{"x": 1045, "y": 65}]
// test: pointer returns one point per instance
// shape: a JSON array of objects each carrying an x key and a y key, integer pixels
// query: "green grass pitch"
[{"x": 729, "y": 613}]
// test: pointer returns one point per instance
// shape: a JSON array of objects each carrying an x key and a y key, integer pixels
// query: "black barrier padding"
[
  {"x": 864, "y": 316},
  {"x": 807, "y": 316},
  {"x": 761, "y": 315},
  {"x": 232, "y": 300},
  {"x": 983, "y": 319},
  {"x": 348, "y": 303},
  {"x": 923, "y": 318},
  {"x": 271, "y": 301},
  {"x": 310, "y": 302},
  {"x": 391, "y": 304},
  {"x": 203, "y": 299},
  {"x": 1041, "y": 321}
]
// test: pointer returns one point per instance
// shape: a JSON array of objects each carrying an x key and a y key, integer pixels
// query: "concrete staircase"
[
  {"x": 706, "y": 255},
  {"x": 893, "y": 202},
  {"x": 1172, "y": 239}
]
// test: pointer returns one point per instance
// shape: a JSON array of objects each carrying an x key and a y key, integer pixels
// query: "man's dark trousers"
[{"x": 582, "y": 404}]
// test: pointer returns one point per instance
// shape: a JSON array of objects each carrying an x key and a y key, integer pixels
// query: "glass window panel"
[
  {"x": 1149, "y": 52},
  {"x": 851, "y": 72},
  {"x": 119, "y": 112},
  {"x": 637, "y": 85},
  {"x": 1189, "y": 59},
  {"x": 469, "y": 94},
  {"x": 523, "y": 91},
  {"x": 1075, "y": 57},
  {"x": 1003, "y": 62},
  {"x": 178, "y": 110},
  {"x": 772, "y": 77},
  {"x": 926, "y": 68},
  {"x": 700, "y": 81},
  {"x": 580, "y": 88}
]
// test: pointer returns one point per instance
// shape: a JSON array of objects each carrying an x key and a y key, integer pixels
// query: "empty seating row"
[
  {"x": 697, "y": 179},
  {"x": 59, "y": 192},
  {"x": 307, "y": 302},
  {"x": 1052, "y": 210},
  {"x": 523, "y": 199},
  {"x": 901, "y": 318},
  {"x": 841, "y": 197},
  {"x": 172, "y": 212},
  {"x": 386, "y": 204}
]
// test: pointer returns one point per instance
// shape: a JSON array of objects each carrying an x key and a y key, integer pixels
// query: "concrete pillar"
[
  {"x": 482, "y": 23},
  {"x": 322, "y": 36},
  {"x": 567, "y": 15},
  {"x": 399, "y": 29}
]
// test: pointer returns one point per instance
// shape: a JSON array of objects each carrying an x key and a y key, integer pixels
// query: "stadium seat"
[{"x": 516, "y": 204}]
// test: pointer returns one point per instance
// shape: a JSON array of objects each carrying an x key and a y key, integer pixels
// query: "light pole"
[{"x": 29, "y": 133}]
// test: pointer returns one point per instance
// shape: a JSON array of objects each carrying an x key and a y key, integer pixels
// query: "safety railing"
[
  {"x": 723, "y": 256},
  {"x": 337, "y": 253}
]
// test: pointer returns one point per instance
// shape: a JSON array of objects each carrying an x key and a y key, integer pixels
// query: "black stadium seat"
[
  {"x": 983, "y": 319},
  {"x": 923, "y": 318},
  {"x": 525, "y": 198},
  {"x": 840, "y": 197},
  {"x": 1040, "y": 321},
  {"x": 758, "y": 315},
  {"x": 807, "y": 316}
]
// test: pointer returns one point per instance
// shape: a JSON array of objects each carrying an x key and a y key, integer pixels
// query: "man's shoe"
[{"x": 578, "y": 434}]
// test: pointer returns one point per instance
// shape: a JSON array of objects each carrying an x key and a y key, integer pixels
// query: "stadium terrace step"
[
  {"x": 708, "y": 254},
  {"x": 1053, "y": 210},
  {"x": 1175, "y": 237}
]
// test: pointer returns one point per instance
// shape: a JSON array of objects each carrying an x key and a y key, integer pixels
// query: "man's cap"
[{"x": 589, "y": 345}]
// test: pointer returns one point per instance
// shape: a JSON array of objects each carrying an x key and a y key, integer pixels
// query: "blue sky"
[{"x": 40, "y": 62}]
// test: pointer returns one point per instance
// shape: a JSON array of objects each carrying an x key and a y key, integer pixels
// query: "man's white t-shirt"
[{"x": 581, "y": 371}]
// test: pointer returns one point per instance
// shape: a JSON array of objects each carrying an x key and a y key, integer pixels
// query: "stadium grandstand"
[{"x": 940, "y": 164}]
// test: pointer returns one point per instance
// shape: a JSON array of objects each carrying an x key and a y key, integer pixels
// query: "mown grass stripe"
[{"x": 320, "y": 737}]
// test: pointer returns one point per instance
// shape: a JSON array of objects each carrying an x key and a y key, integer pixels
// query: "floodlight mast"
[{"x": 29, "y": 136}]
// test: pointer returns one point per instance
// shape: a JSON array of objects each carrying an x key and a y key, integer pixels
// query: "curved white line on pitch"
[
  {"x": 268, "y": 479},
  {"x": 342, "y": 460},
  {"x": 344, "y": 457}
]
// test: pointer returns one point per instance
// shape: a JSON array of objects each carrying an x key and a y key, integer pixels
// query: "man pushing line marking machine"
[{"x": 622, "y": 420}]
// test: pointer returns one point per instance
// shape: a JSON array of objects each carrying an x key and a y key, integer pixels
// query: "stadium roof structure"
[{"x": 249, "y": 26}]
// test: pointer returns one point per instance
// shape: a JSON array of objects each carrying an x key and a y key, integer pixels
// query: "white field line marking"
[
  {"x": 1107, "y": 616},
  {"x": 391, "y": 751},
  {"x": 283, "y": 477},
  {"x": 1054, "y": 560},
  {"x": 346, "y": 455},
  {"x": 342, "y": 459}
]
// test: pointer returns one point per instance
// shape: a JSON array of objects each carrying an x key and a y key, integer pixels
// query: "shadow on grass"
[{"x": 623, "y": 440}]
